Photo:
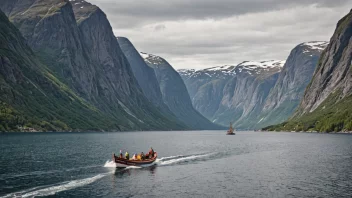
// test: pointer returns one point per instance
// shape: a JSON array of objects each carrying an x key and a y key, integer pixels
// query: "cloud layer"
[{"x": 206, "y": 33}]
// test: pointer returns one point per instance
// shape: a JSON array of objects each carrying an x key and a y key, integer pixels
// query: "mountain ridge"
[
  {"x": 175, "y": 94},
  {"x": 275, "y": 88}
]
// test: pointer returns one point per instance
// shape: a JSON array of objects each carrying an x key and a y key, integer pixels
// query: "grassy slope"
[
  {"x": 334, "y": 114},
  {"x": 329, "y": 116}
]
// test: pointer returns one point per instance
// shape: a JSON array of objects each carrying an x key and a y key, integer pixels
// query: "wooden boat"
[
  {"x": 230, "y": 131},
  {"x": 122, "y": 162}
]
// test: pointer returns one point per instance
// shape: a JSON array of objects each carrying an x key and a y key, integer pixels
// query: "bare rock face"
[
  {"x": 144, "y": 74},
  {"x": 288, "y": 91},
  {"x": 232, "y": 93},
  {"x": 326, "y": 105},
  {"x": 175, "y": 94},
  {"x": 254, "y": 94},
  {"x": 75, "y": 40},
  {"x": 146, "y": 78},
  {"x": 245, "y": 94},
  {"x": 206, "y": 86},
  {"x": 33, "y": 98},
  {"x": 334, "y": 68}
]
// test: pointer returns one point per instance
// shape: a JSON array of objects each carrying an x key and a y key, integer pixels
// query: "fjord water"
[{"x": 190, "y": 164}]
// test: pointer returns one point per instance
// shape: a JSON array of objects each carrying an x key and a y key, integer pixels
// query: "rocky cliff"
[
  {"x": 288, "y": 91},
  {"x": 233, "y": 93},
  {"x": 146, "y": 78},
  {"x": 144, "y": 74},
  {"x": 175, "y": 94},
  {"x": 205, "y": 87},
  {"x": 32, "y": 98},
  {"x": 326, "y": 102},
  {"x": 245, "y": 93},
  {"x": 75, "y": 40}
]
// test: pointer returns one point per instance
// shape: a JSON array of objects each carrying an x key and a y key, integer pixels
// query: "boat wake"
[
  {"x": 37, "y": 173},
  {"x": 56, "y": 188},
  {"x": 165, "y": 161},
  {"x": 69, "y": 185}
]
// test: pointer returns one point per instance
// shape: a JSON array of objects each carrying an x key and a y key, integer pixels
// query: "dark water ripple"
[{"x": 191, "y": 164}]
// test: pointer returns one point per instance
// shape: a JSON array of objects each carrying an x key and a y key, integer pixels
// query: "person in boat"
[
  {"x": 142, "y": 156},
  {"x": 151, "y": 152},
  {"x": 127, "y": 155},
  {"x": 134, "y": 157},
  {"x": 139, "y": 157},
  {"x": 121, "y": 156}
]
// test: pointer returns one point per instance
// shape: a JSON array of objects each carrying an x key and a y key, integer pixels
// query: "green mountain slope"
[
  {"x": 326, "y": 105},
  {"x": 32, "y": 97}
]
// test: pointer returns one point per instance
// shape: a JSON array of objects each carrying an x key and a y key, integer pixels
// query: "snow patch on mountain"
[
  {"x": 221, "y": 68},
  {"x": 314, "y": 46},
  {"x": 317, "y": 45},
  {"x": 248, "y": 67},
  {"x": 150, "y": 58}
]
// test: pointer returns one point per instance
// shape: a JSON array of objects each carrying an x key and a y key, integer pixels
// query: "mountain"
[
  {"x": 245, "y": 93},
  {"x": 32, "y": 98},
  {"x": 288, "y": 91},
  {"x": 175, "y": 94},
  {"x": 233, "y": 93},
  {"x": 144, "y": 74},
  {"x": 326, "y": 105},
  {"x": 76, "y": 41},
  {"x": 146, "y": 77},
  {"x": 205, "y": 87}
]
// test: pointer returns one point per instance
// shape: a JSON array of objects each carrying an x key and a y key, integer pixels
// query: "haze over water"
[{"x": 190, "y": 164}]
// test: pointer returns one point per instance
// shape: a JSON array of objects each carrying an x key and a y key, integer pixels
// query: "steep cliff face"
[
  {"x": 293, "y": 79},
  {"x": 245, "y": 94},
  {"x": 205, "y": 87},
  {"x": 76, "y": 41},
  {"x": 146, "y": 78},
  {"x": 233, "y": 93},
  {"x": 334, "y": 68},
  {"x": 175, "y": 94},
  {"x": 31, "y": 97},
  {"x": 51, "y": 31},
  {"x": 144, "y": 74},
  {"x": 326, "y": 105}
]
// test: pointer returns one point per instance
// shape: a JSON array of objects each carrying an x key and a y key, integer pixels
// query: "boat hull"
[{"x": 123, "y": 163}]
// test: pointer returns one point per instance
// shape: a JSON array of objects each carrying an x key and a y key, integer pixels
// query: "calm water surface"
[{"x": 190, "y": 164}]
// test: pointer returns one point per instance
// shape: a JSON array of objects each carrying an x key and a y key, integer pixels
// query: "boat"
[
  {"x": 231, "y": 130},
  {"x": 123, "y": 163}
]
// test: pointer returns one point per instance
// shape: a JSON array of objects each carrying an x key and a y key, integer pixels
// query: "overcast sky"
[{"x": 206, "y": 33}]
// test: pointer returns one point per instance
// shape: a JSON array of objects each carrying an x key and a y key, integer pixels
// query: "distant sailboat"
[{"x": 231, "y": 130}]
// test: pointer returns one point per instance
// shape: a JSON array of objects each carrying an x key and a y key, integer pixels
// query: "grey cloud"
[
  {"x": 135, "y": 12},
  {"x": 159, "y": 27},
  {"x": 205, "y": 33}
]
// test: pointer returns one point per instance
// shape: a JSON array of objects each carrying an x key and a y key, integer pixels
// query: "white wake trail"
[
  {"x": 52, "y": 190},
  {"x": 173, "y": 160},
  {"x": 171, "y": 157}
]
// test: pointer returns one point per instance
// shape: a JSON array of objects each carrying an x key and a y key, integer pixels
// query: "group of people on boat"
[{"x": 138, "y": 157}]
